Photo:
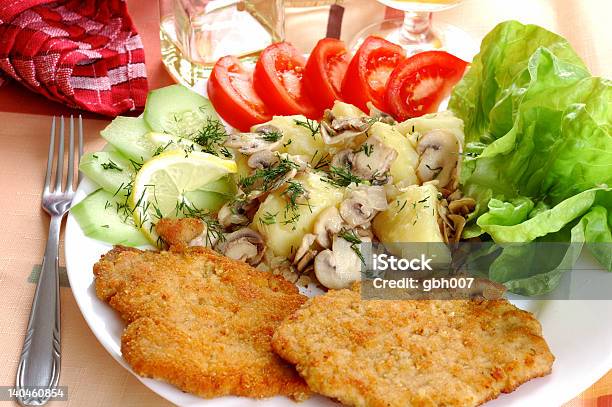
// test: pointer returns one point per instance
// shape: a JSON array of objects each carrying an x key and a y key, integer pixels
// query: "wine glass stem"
[{"x": 416, "y": 28}]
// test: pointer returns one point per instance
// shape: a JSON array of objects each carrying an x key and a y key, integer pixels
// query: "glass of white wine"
[{"x": 415, "y": 31}]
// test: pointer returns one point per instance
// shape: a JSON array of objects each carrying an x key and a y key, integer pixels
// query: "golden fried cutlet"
[
  {"x": 179, "y": 232},
  {"x": 201, "y": 321},
  {"x": 412, "y": 353}
]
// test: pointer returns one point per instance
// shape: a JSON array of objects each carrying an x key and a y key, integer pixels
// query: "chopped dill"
[
  {"x": 288, "y": 142},
  {"x": 211, "y": 137},
  {"x": 268, "y": 218},
  {"x": 158, "y": 215},
  {"x": 266, "y": 178},
  {"x": 367, "y": 149},
  {"x": 111, "y": 165},
  {"x": 403, "y": 205},
  {"x": 373, "y": 119},
  {"x": 321, "y": 162},
  {"x": 271, "y": 136},
  {"x": 161, "y": 149},
  {"x": 291, "y": 220},
  {"x": 294, "y": 191},
  {"x": 137, "y": 165},
  {"x": 341, "y": 177},
  {"x": 351, "y": 237},
  {"x": 312, "y": 125},
  {"x": 122, "y": 208},
  {"x": 214, "y": 230},
  {"x": 424, "y": 199}
]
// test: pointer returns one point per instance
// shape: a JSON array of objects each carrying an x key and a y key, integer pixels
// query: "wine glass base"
[{"x": 445, "y": 37}]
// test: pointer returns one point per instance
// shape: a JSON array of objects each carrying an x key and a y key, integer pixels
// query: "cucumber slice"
[
  {"x": 109, "y": 169},
  {"x": 127, "y": 134},
  {"x": 98, "y": 217},
  {"x": 109, "y": 148},
  {"x": 206, "y": 200},
  {"x": 168, "y": 142},
  {"x": 178, "y": 111},
  {"x": 224, "y": 186}
]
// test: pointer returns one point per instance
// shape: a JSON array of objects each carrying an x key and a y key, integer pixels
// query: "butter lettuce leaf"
[{"x": 538, "y": 153}]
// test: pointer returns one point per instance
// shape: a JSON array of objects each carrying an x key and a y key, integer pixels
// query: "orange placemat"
[{"x": 92, "y": 376}]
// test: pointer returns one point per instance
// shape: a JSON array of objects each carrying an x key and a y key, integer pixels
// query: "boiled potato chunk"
[
  {"x": 282, "y": 235},
  {"x": 298, "y": 140},
  {"x": 243, "y": 167},
  {"x": 411, "y": 217},
  {"x": 342, "y": 110},
  {"x": 402, "y": 169},
  {"x": 413, "y": 128}
]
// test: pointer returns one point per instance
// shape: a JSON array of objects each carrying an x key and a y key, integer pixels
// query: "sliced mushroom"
[
  {"x": 244, "y": 244},
  {"x": 266, "y": 137},
  {"x": 328, "y": 223},
  {"x": 339, "y": 267},
  {"x": 458, "y": 225},
  {"x": 455, "y": 195},
  {"x": 373, "y": 160},
  {"x": 269, "y": 129},
  {"x": 235, "y": 212},
  {"x": 334, "y": 130},
  {"x": 343, "y": 158},
  {"x": 305, "y": 253},
  {"x": 452, "y": 224},
  {"x": 365, "y": 233},
  {"x": 204, "y": 239},
  {"x": 363, "y": 204},
  {"x": 262, "y": 159},
  {"x": 487, "y": 289},
  {"x": 295, "y": 193},
  {"x": 438, "y": 157},
  {"x": 300, "y": 161},
  {"x": 463, "y": 206}
]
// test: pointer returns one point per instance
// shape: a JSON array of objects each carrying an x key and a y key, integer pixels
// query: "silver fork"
[{"x": 39, "y": 365}]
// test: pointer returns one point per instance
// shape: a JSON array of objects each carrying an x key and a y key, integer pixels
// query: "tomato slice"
[
  {"x": 368, "y": 72},
  {"x": 278, "y": 81},
  {"x": 421, "y": 82},
  {"x": 324, "y": 72},
  {"x": 230, "y": 90}
]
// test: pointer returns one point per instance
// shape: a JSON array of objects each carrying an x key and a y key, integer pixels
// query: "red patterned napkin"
[{"x": 84, "y": 53}]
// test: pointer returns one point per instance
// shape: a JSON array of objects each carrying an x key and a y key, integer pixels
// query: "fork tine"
[
  {"x": 50, "y": 156},
  {"x": 70, "y": 174},
  {"x": 80, "y": 146},
  {"x": 59, "y": 170}
]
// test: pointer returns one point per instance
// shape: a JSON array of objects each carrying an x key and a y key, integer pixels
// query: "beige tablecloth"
[{"x": 92, "y": 376}]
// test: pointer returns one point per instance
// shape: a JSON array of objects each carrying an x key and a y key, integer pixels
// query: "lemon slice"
[{"x": 162, "y": 182}]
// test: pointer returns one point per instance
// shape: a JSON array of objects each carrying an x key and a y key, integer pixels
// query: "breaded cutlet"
[
  {"x": 412, "y": 353},
  {"x": 201, "y": 321}
]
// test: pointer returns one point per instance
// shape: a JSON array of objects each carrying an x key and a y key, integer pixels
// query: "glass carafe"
[{"x": 195, "y": 33}]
